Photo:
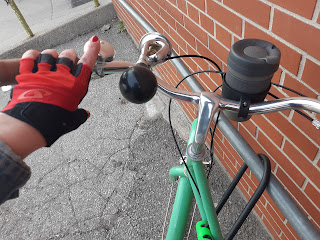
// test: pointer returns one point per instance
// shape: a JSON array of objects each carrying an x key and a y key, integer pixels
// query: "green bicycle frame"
[{"x": 185, "y": 192}]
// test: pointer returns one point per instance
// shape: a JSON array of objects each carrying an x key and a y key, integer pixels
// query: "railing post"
[
  {"x": 96, "y": 3},
  {"x": 20, "y": 17}
]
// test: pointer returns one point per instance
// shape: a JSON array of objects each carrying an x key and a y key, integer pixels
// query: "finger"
[
  {"x": 67, "y": 60},
  {"x": 47, "y": 60},
  {"x": 90, "y": 55},
  {"x": 27, "y": 61},
  {"x": 34, "y": 54}
]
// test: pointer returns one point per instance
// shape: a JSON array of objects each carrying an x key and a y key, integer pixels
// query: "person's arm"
[
  {"x": 9, "y": 69},
  {"x": 43, "y": 107},
  {"x": 20, "y": 136}
]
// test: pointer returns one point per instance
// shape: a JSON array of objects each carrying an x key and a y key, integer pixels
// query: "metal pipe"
[
  {"x": 273, "y": 106},
  {"x": 288, "y": 207}
]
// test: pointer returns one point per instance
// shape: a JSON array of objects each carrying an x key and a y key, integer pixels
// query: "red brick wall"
[{"x": 209, "y": 28}]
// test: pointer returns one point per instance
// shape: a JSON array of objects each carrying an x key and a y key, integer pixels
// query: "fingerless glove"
[{"x": 47, "y": 95}]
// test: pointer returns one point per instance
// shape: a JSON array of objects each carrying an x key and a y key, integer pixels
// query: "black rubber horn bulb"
[{"x": 138, "y": 84}]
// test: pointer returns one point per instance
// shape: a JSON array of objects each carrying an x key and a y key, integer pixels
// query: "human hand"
[{"x": 50, "y": 89}]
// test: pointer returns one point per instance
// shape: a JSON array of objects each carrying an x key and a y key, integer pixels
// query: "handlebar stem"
[{"x": 208, "y": 106}]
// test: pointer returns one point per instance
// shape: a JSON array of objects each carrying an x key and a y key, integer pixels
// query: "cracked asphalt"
[{"x": 109, "y": 179}]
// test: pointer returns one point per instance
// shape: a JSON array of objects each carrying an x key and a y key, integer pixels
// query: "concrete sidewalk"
[
  {"x": 109, "y": 179},
  {"x": 52, "y": 22}
]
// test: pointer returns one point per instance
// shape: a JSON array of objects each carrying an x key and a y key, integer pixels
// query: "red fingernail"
[
  {"x": 88, "y": 113},
  {"x": 95, "y": 39}
]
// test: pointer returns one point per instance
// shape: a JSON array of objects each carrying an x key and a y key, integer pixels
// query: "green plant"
[{"x": 121, "y": 27}]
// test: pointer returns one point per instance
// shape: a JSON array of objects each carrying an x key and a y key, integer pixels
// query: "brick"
[
  {"x": 229, "y": 165},
  {"x": 218, "y": 50},
  {"x": 155, "y": 7},
  {"x": 283, "y": 237},
  {"x": 255, "y": 10},
  {"x": 289, "y": 234},
  {"x": 303, "y": 8},
  {"x": 196, "y": 31},
  {"x": 168, "y": 19},
  {"x": 223, "y": 36},
  {"x": 273, "y": 218},
  {"x": 155, "y": 23},
  {"x": 298, "y": 195},
  {"x": 258, "y": 149},
  {"x": 281, "y": 159},
  {"x": 198, "y": 4},
  {"x": 287, "y": 128},
  {"x": 148, "y": 11},
  {"x": 252, "y": 142},
  {"x": 290, "y": 59},
  {"x": 310, "y": 74},
  {"x": 162, "y": 23},
  {"x": 182, "y": 5},
  {"x": 306, "y": 127},
  {"x": 276, "y": 76},
  {"x": 294, "y": 84},
  {"x": 258, "y": 209},
  {"x": 193, "y": 13},
  {"x": 313, "y": 193},
  {"x": 300, "y": 34},
  {"x": 204, "y": 51},
  {"x": 224, "y": 17},
  {"x": 268, "y": 129},
  {"x": 161, "y": 3},
  {"x": 235, "y": 39},
  {"x": 304, "y": 164},
  {"x": 181, "y": 42},
  {"x": 207, "y": 23},
  {"x": 276, "y": 209},
  {"x": 175, "y": 13},
  {"x": 229, "y": 148},
  {"x": 250, "y": 127},
  {"x": 185, "y": 34},
  {"x": 270, "y": 226}
]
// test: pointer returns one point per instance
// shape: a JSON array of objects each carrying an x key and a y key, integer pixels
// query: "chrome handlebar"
[{"x": 155, "y": 48}]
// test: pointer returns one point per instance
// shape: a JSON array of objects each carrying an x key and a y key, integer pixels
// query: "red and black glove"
[{"x": 47, "y": 95}]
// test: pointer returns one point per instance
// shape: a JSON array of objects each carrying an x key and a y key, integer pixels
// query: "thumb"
[{"x": 92, "y": 48}]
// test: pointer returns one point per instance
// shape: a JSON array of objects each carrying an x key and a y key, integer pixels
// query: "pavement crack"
[
  {"x": 69, "y": 196},
  {"x": 136, "y": 126}
]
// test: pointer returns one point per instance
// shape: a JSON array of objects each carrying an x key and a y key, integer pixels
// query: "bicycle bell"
[
  {"x": 138, "y": 84},
  {"x": 251, "y": 65}
]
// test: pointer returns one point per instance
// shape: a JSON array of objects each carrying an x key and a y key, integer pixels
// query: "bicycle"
[{"x": 138, "y": 84}]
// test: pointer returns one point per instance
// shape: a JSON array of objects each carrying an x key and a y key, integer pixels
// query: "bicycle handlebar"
[{"x": 155, "y": 48}]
